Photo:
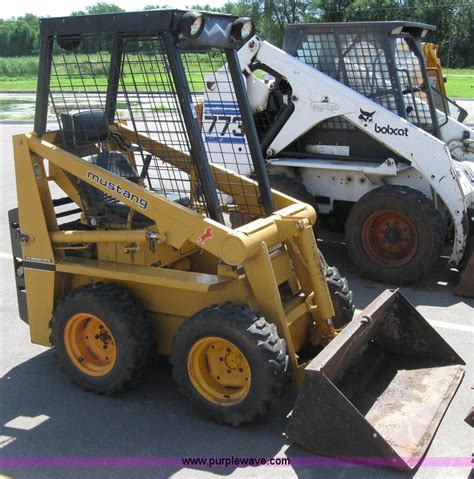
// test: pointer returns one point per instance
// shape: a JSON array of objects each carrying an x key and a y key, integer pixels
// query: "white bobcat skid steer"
[{"x": 353, "y": 127}]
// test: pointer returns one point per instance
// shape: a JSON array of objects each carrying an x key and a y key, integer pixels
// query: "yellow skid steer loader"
[{"x": 122, "y": 247}]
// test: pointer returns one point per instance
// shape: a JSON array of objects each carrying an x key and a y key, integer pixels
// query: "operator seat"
[{"x": 82, "y": 132}]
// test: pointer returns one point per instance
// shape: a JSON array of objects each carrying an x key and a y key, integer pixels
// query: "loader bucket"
[{"x": 377, "y": 393}]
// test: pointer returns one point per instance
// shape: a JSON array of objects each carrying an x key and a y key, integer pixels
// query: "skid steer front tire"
[
  {"x": 102, "y": 338},
  {"x": 230, "y": 363},
  {"x": 341, "y": 295},
  {"x": 394, "y": 234}
]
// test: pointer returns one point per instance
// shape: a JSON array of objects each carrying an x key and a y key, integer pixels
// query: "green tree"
[
  {"x": 100, "y": 7},
  {"x": 4, "y": 38},
  {"x": 156, "y": 7},
  {"x": 453, "y": 19},
  {"x": 19, "y": 36},
  {"x": 100, "y": 42}
]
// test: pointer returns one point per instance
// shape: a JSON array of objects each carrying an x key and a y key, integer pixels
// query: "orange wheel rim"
[
  {"x": 90, "y": 344},
  {"x": 389, "y": 238},
  {"x": 219, "y": 371}
]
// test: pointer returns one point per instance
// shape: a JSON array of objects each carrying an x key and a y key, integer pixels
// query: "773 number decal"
[{"x": 221, "y": 124}]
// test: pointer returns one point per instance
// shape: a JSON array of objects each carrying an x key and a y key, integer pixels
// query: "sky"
[{"x": 61, "y": 8}]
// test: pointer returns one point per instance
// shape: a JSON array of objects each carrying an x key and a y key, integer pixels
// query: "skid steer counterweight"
[{"x": 140, "y": 254}]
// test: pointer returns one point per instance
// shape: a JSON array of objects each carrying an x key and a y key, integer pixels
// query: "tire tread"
[
  {"x": 129, "y": 312},
  {"x": 241, "y": 320},
  {"x": 425, "y": 206}
]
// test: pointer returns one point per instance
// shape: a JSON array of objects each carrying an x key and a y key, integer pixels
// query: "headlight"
[
  {"x": 69, "y": 42},
  {"x": 243, "y": 28},
  {"x": 191, "y": 24}
]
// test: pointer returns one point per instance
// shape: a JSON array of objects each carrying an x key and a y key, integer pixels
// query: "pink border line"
[{"x": 136, "y": 462}]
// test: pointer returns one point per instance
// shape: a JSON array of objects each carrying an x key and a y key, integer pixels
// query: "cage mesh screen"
[
  {"x": 221, "y": 122},
  {"x": 411, "y": 81},
  {"x": 152, "y": 110},
  {"x": 79, "y": 77},
  {"x": 359, "y": 61},
  {"x": 356, "y": 60},
  {"x": 148, "y": 102}
]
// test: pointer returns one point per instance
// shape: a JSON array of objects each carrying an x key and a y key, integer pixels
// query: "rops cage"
[{"x": 145, "y": 73}]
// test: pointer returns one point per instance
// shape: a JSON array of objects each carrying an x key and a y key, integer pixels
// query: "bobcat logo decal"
[{"x": 366, "y": 116}]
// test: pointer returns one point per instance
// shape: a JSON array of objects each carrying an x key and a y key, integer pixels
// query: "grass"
[
  {"x": 460, "y": 87},
  {"x": 459, "y": 71},
  {"x": 25, "y": 84},
  {"x": 19, "y": 74},
  {"x": 17, "y": 84},
  {"x": 460, "y": 82},
  {"x": 17, "y": 67}
]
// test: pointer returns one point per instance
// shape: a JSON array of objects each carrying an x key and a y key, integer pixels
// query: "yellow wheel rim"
[
  {"x": 90, "y": 344},
  {"x": 219, "y": 371}
]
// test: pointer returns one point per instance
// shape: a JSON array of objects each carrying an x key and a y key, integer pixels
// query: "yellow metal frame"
[
  {"x": 430, "y": 52},
  {"x": 184, "y": 262}
]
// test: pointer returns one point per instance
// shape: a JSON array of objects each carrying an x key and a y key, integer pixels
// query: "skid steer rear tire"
[
  {"x": 102, "y": 338},
  {"x": 394, "y": 234},
  {"x": 230, "y": 363}
]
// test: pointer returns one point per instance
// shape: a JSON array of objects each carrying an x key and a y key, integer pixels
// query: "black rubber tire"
[
  {"x": 341, "y": 297},
  {"x": 429, "y": 226},
  {"x": 127, "y": 321},
  {"x": 294, "y": 188},
  {"x": 258, "y": 341}
]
